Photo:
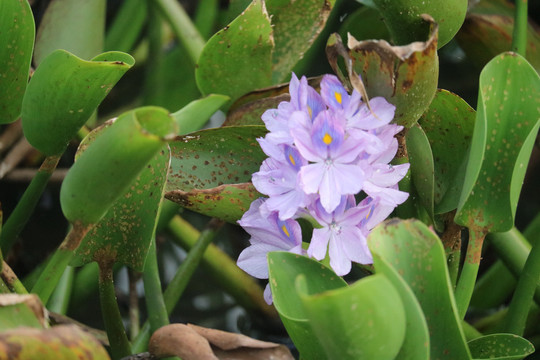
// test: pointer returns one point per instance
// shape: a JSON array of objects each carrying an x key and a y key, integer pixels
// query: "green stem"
[
  {"x": 26, "y": 205},
  {"x": 134, "y": 313},
  {"x": 519, "y": 36},
  {"x": 523, "y": 296},
  {"x": 241, "y": 286},
  {"x": 158, "y": 316},
  {"x": 116, "y": 333},
  {"x": 59, "y": 301},
  {"x": 470, "y": 331},
  {"x": 493, "y": 287},
  {"x": 182, "y": 26},
  {"x": 181, "y": 279},
  {"x": 50, "y": 277},
  {"x": 469, "y": 272},
  {"x": 153, "y": 64},
  {"x": 124, "y": 31},
  {"x": 205, "y": 17},
  {"x": 11, "y": 280}
]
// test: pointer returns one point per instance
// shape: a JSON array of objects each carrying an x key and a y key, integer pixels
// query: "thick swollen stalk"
[
  {"x": 519, "y": 36},
  {"x": 467, "y": 279},
  {"x": 26, "y": 205}
]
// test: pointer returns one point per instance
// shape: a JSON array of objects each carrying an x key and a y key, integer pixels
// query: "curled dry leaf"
[{"x": 192, "y": 342}]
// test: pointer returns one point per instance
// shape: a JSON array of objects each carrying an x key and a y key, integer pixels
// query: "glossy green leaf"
[
  {"x": 485, "y": 34},
  {"x": 17, "y": 31},
  {"x": 422, "y": 167},
  {"x": 67, "y": 342},
  {"x": 363, "y": 321},
  {"x": 500, "y": 347},
  {"x": 448, "y": 124},
  {"x": 123, "y": 235},
  {"x": 295, "y": 24},
  {"x": 52, "y": 118},
  {"x": 211, "y": 170},
  {"x": 238, "y": 58},
  {"x": 506, "y": 125},
  {"x": 113, "y": 161},
  {"x": 406, "y": 76},
  {"x": 71, "y": 25},
  {"x": 416, "y": 254},
  {"x": 194, "y": 115},
  {"x": 284, "y": 268},
  {"x": 404, "y": 18},
  {"x": 416, "y": 345}
]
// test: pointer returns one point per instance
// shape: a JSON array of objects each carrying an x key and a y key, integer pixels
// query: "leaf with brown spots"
[
  {"x": 507, "y": 122},
  {"x": 21, "y": 310},
  {"x": 60, "y": 342},
  {"x": 406, "y": 76}
]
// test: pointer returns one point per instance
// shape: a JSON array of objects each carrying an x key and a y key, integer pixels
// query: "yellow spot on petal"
[
  {"x": 310, "y": 111},
  {"x": 291, "y": 159},
  {"x": 337, "y": 96},
  {"x": 327, "y": 139},
  {"x": 285, "y": 231}
]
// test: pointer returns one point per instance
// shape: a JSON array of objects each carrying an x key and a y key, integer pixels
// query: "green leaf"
[
  {"x": 448, "y": 124},
  {"x": 238, "y": 58},
  {"x": 422, "y": 167},
  {"x": 404, "y": 243},
  {"x": 364, "y": 24},
  {"x": 211, "y": 170},
  {"x": 506, "y": 125},
  {"x": 363, "y": 321},
  {"x": 283, "y": 269},
  {"x": 194, "y": 115},
  {"x": 296, "y": 25},
  {"x": 404, "y": 18},
  {"x": 406, "y": 76},
  {"x": 71, "y": 25},
  {"x": 107, "y": 168},
  {"x": 123, "y": 235},
  {"x": 21, "y": 310},
  {"x": 52, "y": 118},
  {"x": 58, "y": 342},
  {"x": 501, "y": 347},
  {"x": 17, "y": 31}
]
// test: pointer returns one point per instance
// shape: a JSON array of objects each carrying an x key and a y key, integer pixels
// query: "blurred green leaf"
[
  {"x": 71, "y": 25},
  {"x": 416, "y": 254},
  {"x": 506, "y": 126},
  {"x": 58, "y": 342},
  {"x": 406, "y": 76},
  {"x": 126, "y": 27},
  {"x": 194, "y": 115},
  {"x": 238, "y": 58},
  {"x": 484, "y": 36},
  {"x": 105, "y": 170},
  {"x": 363, "y": 321},
  {"x": 296, "y": 25},
  {"x": 448, "y": 124},
  {"x": 284, "y": 268},
  {"x": 211, "y": 170},
  {"x": 404, "y": 18},
  {"x": 123, "y": 235},
  {"x": 63, "y": 93},
  {"x": 17, "y": 31},
  {"x": 501, "y": 347},
  {"x": 422, "y": 167}
]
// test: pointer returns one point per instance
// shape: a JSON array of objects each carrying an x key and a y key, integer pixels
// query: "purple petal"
[
  {"x": 381, "y": 113},
  {"x": 355, "y": 245},
  {"x": 268, "y": 294},
  {"x": 253, "y": 260},
  {"x": 333, "y": 93},
  {"x": 319, "y": 243},
  {"x": 338, "y": 258},
  {"x": 311, "y": 176}
]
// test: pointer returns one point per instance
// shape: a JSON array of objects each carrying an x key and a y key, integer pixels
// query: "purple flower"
[
  {"x": 333, "y": 170},
  {"x": 341, "y": 235},
  {"x": 268, "y": 233}
]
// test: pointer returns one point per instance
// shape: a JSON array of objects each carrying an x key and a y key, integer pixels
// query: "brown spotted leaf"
[
  {"x": 211, "y": 170},
  {"x": 405, "y": 75},
  {"x": 60, "y": 342},
  {"x": 21, "y": 310}
]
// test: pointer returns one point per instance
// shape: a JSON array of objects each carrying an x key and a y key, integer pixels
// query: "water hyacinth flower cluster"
[{"x": 328, "y": 160}]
